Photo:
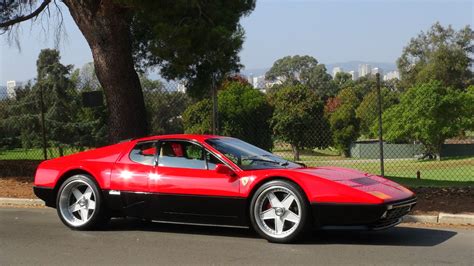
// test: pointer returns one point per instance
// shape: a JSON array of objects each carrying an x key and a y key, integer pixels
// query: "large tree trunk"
[
  {"x": 296, "y": 152},
  {"x": 106, "y": 27}
]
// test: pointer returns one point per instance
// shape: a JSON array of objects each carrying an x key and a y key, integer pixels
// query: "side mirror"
[{"x": 224, "y": 169}]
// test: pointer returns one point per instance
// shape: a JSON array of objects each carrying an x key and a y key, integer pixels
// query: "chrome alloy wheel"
[
  {"x": 77, "y": 203},
  {"x": 277, "y": 211}
]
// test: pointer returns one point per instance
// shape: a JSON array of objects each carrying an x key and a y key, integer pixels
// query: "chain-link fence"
[{"x": 290, "y": 120}]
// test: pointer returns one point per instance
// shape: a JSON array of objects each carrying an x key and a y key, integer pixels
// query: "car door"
[
  {"x": 188, "y": 189},
  {"x": 129, "y": 179}
]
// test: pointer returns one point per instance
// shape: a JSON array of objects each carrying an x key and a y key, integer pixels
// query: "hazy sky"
[{"x": 331, "y": 31}]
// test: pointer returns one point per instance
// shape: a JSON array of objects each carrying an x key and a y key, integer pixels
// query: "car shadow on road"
[
  {"x": 132, "y": 224},
  {"x": 397, "y": 236}
]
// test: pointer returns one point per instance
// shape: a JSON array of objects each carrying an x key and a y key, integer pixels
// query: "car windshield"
[{"x": 247, "y": 156}]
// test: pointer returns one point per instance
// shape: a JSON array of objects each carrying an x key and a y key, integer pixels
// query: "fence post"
[
  {"x": 43, "y": 128},
  {"x": 214, "y": 108},
  {"x": 379, "y": 103}
]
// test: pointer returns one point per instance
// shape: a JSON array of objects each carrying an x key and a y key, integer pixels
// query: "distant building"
[
  {"x": 181, "y": 87},
  {"x": 364, "y": 70},
  {"x": 258, "y": 82},
  {"x": 376, "y": 70},
  {"x": 336, "y": 70},
  {"x": 250, "y": 78},
  {"x": 12, "y": 85},
  {"x": 3, "y": 92},
  {"x": 354, "y": 75},
  {"x": 392, "y": 75}
]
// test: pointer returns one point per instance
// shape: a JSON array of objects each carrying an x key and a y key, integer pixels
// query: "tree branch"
[{"x": 27, "y": 17}]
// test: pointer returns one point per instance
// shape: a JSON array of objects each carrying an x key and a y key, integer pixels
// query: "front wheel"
[
  {"x": 79, "y": 203},
  {"x": 279, "y": 211}
]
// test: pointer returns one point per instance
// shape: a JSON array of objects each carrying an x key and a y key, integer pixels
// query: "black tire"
[
  {"x": 263, "y": 228},
  {"x": 94, "y": 218}
]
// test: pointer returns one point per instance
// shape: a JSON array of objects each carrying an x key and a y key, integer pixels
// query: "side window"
[
  {"x": 181, "y": 154},
  {"x": 143, "y": 153},
  {"x": 212, "y": 161}
]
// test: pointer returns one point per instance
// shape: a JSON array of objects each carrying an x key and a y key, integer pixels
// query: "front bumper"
[
  {"x": 369, "y": 216},
  {"x": 46, "y": 194}
]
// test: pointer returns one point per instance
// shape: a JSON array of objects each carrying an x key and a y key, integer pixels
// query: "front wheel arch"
[
  {"x": 290, "y": 186},
  {"x": 269, "y": 179}
]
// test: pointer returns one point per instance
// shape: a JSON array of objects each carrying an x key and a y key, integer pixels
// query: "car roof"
[{"x": 196, "y": 137}]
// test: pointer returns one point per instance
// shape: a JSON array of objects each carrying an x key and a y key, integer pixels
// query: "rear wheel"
[
  {"x": 279, "y": 211},
  {"x": 79, "y": 203}
]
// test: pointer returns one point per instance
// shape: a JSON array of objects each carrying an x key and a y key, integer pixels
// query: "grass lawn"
[
  {"x": 32, "y": 154},
  {"x": 447, "y": 172}
]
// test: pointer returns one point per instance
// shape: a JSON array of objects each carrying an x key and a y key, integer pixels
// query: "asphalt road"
[{"x": 36, "y": 236}]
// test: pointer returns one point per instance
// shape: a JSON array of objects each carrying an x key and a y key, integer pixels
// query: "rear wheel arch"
[
  {"x": 74, "y": 207},
  {"x": 70, "y": 173}
]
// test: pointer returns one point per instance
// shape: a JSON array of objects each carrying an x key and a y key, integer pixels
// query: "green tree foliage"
[
  {"x": 54, "y": 84},
  {"x": 85, "y": 78},
  {"x": 6, "y": 141},
  {"x": 298, "y": 119},
  {"x": 441, "y": 54},
  {"x": 290, "y": 68},
  {"x": 91, "y": 122},
  {"x": 68, "y": 124},
  {"x": 319, "y": 80},
  {"x": 469, "y": 109},
  {"x": 343, "y": 120},
  {"x": 243, "y": 113},
  {"x": 367, "y": 111},
  {"x": 198, "y": 41},
  {"x": 393, "y": 85},
  {"x": 303, "y": 70},
  {"x": 365, "y": 85},
  {"x": 343, "y": 80},
  {"x": 53, "y": 80},
  {"x": 20, "y": 120},
  {"x": 429, "y": 113},
  {"x": 197, "y": 118},
  {"x": 164, "y": 107},
  {"x": 91, "y": 129}
]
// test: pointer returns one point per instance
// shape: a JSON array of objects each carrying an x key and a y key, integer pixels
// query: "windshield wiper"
[
  {"x": 285, "y": 163},
  {"x": 254, "y": 159}
]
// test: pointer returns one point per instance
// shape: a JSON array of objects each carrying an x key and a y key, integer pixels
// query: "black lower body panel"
[
  {"x": 179, "y": 208},
  {"x": 371, "y": 216},
  {"x": 200, "y": 209},
  {"x": 46, "y": 194}
]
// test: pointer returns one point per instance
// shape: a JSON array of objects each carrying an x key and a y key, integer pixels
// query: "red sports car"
[{"x": 214, "y": 180}]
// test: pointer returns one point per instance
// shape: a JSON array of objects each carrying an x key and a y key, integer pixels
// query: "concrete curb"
[
  {"x": 448, "y": 218},
  {"x": 441, "y": 218},
  {"x": 21, "y": 202},
  {"x": 432, "y": 219}
]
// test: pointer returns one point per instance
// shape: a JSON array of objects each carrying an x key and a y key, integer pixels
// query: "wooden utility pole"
[{"x": 379, "y": 103}]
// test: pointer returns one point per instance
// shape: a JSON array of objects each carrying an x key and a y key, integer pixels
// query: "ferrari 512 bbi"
[{"x": 214, "y": 180}]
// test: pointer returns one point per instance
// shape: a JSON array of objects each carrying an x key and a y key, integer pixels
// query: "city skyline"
[{"x": 369, "y": 31}]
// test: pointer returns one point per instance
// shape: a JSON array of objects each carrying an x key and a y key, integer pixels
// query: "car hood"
[
  {"x": 333, "y": 173},
  {"x": 375, "y": 185}
]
